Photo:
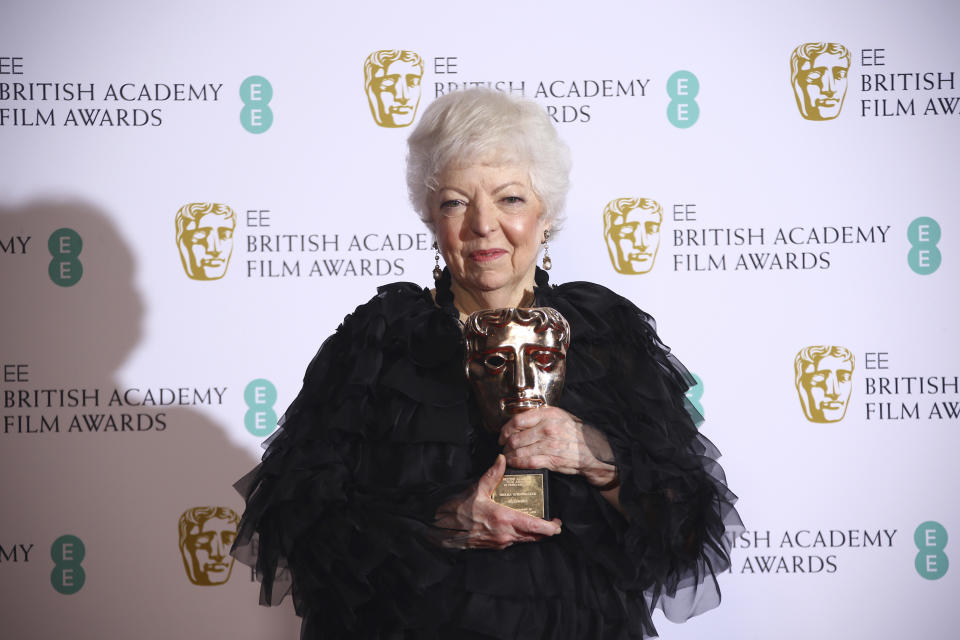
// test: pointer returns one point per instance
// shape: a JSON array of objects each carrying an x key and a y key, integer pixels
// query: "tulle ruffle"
[
  {"x": 622, "y": 379},
  {"x": 340, "y": 511}
]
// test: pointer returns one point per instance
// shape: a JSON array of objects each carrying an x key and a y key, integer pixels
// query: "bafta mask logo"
[
  {"x": 824, "y": 379},
  {"x": 391, "y": 79},
  {"x": 631, "y": 228},
  {"x": 205, "y": 239},
  {"x": 818, "y": 73},
  {"x": 206, "y": 535},
  {"x": 515, "y": 360}
]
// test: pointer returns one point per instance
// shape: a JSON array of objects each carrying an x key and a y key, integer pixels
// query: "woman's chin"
[{"x": 487, "y": 282}]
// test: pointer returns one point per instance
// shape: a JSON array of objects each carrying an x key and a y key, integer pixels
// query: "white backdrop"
[{"x": 135, "y": 324}]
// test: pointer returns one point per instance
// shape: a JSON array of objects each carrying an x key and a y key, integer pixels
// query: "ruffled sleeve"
[
  {"x": 624, "y": 380},
  {"x": 339, "y": 510}
]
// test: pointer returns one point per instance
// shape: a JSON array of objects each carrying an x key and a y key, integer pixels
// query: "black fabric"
[{"x": 340, "y": 511}]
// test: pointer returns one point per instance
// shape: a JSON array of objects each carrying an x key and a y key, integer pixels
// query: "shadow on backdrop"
[{"x": 121, "y": 491}]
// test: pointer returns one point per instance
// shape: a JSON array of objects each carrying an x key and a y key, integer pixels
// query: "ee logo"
[
  {"x": 67, "y": 576},
  {"x": 931, "y": 562},
  {"x": 695, "y": 394},
  {"x": 256, "y": 93},
  {"x": 260, "y": 396},
  {"x": 683, "y": 111},
  {"x": 65, "y": 268},
  {"x": 924, "y": 256}
]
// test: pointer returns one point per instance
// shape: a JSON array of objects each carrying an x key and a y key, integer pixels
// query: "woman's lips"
[{"x": 486, "y": 255}]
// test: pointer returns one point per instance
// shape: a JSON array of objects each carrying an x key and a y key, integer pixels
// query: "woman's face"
[{"x": 488, "y": 227}]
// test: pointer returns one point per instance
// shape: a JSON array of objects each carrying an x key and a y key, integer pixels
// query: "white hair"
[{"x": 474, "y": 125}]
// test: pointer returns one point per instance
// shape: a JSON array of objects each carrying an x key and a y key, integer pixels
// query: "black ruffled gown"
[{"x": 340, "y": 511}]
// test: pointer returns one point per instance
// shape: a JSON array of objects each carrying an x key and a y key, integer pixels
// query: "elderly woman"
[{"x": 373, "y": 501}]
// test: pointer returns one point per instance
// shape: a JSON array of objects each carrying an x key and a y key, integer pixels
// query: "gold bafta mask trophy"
[{"x": 516, "y": 361}]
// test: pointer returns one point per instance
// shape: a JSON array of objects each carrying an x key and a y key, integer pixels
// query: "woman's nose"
[{"x": 483, "y": 217}]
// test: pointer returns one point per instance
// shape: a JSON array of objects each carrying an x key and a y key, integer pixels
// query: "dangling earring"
[
  {"x": 547, "y": 262},
  {"x": 437, "y": 271}
]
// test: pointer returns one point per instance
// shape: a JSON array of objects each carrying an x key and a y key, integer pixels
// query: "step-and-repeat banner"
[{"x": 193, "y": 195}]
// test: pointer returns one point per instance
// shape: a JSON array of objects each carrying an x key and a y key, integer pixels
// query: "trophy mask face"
[{"x": 515, "y": 360}]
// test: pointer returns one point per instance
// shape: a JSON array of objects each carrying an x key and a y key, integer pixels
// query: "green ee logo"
[
  {"x": 256, "y": 93},
  {"x": 924, "y": 256},
  {"x": 260, "y": 396},
  {"x": 931, "y": 562},
  {"x": 683, "y": 111},
  {"x": 67, "y": 576},
  {"x": 694, "y": 396},
  {"x": 65, "y": 269}
]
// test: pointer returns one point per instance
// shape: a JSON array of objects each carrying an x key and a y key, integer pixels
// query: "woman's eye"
[
  {"x": 513, "y": 200},
  {"x": 452, "y": 208}
]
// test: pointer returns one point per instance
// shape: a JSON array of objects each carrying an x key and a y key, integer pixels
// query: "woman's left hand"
[{"x": 551, "y": 438}]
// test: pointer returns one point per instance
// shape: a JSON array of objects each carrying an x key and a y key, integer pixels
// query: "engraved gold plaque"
[{"x": 526, "y": 490}]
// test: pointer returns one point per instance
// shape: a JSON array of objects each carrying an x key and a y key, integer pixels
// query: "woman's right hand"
[{"x": 475, "y": 521}]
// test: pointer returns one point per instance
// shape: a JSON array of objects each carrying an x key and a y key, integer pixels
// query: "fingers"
[
  {"x": 520, "y": 422},
  {"x": 477, "y": 522},
  {"x": 547, "y": 454},
  {"x": 548, "y": 438},
  {"x": 528, "y": 419},
  {"x": 519, "y": 439},
  {"x": 515, "y": 525},
  {"x": 492, "y": 477},
  {"x": 532, "y": 461}
]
